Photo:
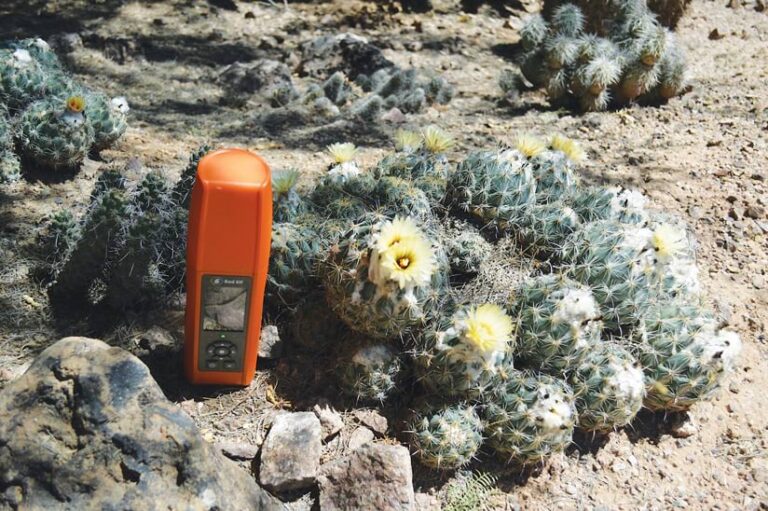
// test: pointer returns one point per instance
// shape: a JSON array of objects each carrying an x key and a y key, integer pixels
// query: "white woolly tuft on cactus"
[
  {"x": 372, "y": 356},
  {"x": 552, "y": 410},
  {"x": 120, "y": 104},
  {"x": 719, "y": 349},
  {"x": 22, "y": 56},
  {"x": 632, "y": 201},
  {"x": 628, "y": 381},
  {"x": 575, "y": 307}
]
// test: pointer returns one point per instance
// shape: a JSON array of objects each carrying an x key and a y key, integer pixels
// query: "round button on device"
[{"x": 222, "y": 351}]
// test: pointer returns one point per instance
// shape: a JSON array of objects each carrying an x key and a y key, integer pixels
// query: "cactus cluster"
[
  {"x": 47, "y": 119},
  {"x": 126, "y": 252},
  {"x": 366, "y": 97},
  {"x": 372, "y": 267},
  {"x": 631, "y": 58}
]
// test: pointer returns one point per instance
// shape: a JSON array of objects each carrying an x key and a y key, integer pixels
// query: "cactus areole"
[{"x": 230, "y": 226}]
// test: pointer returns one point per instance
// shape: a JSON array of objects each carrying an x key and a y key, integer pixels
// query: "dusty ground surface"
[{"x": 702, "y": 156}]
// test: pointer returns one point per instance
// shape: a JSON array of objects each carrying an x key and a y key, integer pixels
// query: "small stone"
[
  {"x": 238, "y": 450},
  {"x": 374, "y": 420},
  {"x": 394, "y": 115},
  {"x": 754, "y": 212},
  {"x": 270, "y": 344},
  {"x": 155, "y": 340},
  {"x": 360, "y": 437},
  {"x": 291, "y": 452},
  {"x": 375, "y": 477},
  {"x": 733, "y": 387},
  {"x": 330, "y": 420},
  {"x": 685, "y": 429},
  {"x": 715, "y": 35}
]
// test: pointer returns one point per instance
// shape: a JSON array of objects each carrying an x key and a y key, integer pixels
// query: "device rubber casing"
[{"x": 230, "y": 229}]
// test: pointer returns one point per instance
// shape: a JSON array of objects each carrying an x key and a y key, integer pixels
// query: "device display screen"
[{"x": 225, "y": 302}]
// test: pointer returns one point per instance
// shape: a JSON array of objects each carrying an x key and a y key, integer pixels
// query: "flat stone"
[
  {"x": 373, "y": 420},
  {"x": 291, "y": 452},
  {"x": 376, "y": 477},
  {"x": 238, "y": 450},
  {"x": 330, "y": 420},
  {"x": 86, "y": 427},
  {"x": 360, "y": 437},
  {"x": 270, "y": 344}
]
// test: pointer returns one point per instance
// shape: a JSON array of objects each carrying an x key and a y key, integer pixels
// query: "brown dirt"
[{"x": 702, "y": 156}]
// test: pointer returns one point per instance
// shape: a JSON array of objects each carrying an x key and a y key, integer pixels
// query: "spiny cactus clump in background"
[
  {"x": 55, "y": 121},
  {"x": 630, "y": 58},
  {"x": 363, "y": 97},
  {"x": 445, "y": 437}
]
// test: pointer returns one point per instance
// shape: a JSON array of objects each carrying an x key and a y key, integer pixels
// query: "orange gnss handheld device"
[{"x": 230, "y": 228}]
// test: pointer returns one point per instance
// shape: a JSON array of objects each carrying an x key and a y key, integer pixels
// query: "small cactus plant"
[
  {"x": 383, "y": 278},
  {"x": 54, "y": 132},
  {"x": 558, "y": 321},
  {"x": 529, "y": 417},
  {"x": 460, "y": 355},
  {"x": 609, "y": 388},
  {"x": 445, "y": 437},
  {"x": 369, "y": 371}
]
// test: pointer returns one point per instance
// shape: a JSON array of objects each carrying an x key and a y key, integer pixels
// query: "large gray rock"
[
  {"x": 86, "y": 427},
  {"x": 291, "y": 452},
  {"x": 375, "y": 477}
]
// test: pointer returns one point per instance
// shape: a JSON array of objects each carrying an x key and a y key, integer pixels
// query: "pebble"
[{"x": 360, "y": 437}]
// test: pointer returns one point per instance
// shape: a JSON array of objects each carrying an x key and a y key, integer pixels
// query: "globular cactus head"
[
  {"x": 609, "y": 203},
  {"x": 467, "y": 251},
  {"x": 445, "y": 437},
  {"x": 294, "y": 256},
  {"x": 609, "y": 388},
  {"x": 683, "y": 354},
  {"x": 460, "y": 355},
  {"x": 528, "y": 417},
  {"x": 52, "y": 132},
  {"x": 558, "y": 323},
  {"x": 383, "y": 277},
  {"x": 368, "y": 372}
]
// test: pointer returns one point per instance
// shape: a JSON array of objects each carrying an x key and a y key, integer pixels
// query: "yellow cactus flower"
[
  {"x": 407, "y": 141},
  {"x": 436, "y": 140},
  {"x": 395, "y": 231},
  {"x": 529, "y": 145},
  {"x": 668, "y": 242},
  {"x": 410, "y": 263},
  {"x": 342, "y": 153},
  {"x": 569, "y": 147},
  {"x": 488, "y": 328},
  {"x": 284, "y": 181},
  {"x": 76, "y": 104}
]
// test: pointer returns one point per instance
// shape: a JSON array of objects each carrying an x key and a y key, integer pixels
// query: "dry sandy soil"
[{"x": 702, "y": 156}]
